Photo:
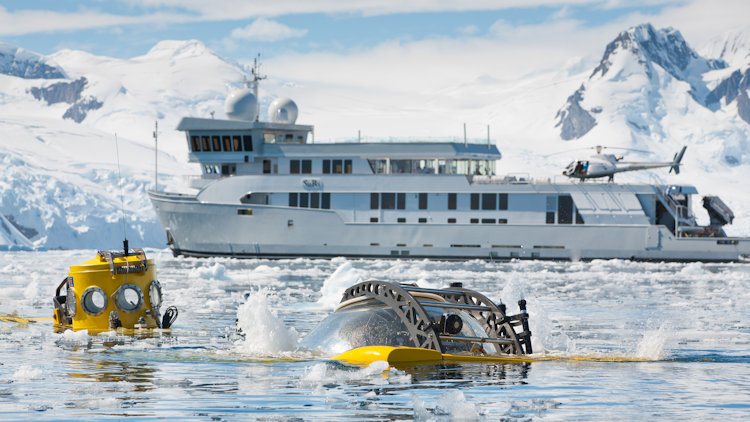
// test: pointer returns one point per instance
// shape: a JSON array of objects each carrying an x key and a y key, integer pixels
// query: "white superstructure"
[{"x": 266, "y": 190}]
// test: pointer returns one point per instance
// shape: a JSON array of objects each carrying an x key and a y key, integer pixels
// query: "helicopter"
[{"x": 606, "y": 165}]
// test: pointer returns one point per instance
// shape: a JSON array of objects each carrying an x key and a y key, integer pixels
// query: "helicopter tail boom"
[{"x": 676, "y": 161}]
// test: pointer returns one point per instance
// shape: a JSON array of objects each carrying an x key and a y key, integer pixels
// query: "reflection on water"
[{"x": 691, "y": 318}]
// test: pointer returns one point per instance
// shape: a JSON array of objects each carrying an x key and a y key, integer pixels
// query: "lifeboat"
[
  {"x": 404, "y": 323},
  {"x": 113, "y": 290}
]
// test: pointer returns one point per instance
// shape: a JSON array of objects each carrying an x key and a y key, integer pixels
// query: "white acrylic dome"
[
  {"x": 241, "y": 105},
  {"x": 283, "y": 110}
]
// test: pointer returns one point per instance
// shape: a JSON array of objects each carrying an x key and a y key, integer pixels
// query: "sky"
[{"x": 241, "y": 29}]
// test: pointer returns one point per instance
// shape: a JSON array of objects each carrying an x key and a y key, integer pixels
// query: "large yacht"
[{"x": 268, "y": 190}]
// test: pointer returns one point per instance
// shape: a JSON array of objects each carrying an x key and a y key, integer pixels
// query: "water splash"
[
  {"x": 265, "y": 333},
  {"x": 653, "y": 343},
  {"x": 344, "y": 276}
]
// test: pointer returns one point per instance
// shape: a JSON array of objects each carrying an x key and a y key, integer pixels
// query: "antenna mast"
[
  {"x": 257, "y": 77},
  {"x": 156, "y": 156}
]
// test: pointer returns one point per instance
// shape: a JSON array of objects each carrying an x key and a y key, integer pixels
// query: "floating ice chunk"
[
  {"x": 27, "y": 372},
  {"x": 453, "y": 404}
]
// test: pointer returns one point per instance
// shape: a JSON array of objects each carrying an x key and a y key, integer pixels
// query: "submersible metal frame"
[{"x": 429, "y": 333}]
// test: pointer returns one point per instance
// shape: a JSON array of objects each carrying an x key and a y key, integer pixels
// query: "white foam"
[
  {"x": 344, "y": 276},
  {"x": 653, "y": 343},
  {"x": 265, "y": 333},
  {"x": 75, "y": 338},
  {"x": 378, "y": 373},
  {"x": 454, "y": 404},
  {"x": 27, "y": 372}
]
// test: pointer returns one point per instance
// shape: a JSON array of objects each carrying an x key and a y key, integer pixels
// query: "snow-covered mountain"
[
  {"x": 651, "y": 86},
  {"x": 59, "y": 181},
  {"x": 59, "y": 184}
]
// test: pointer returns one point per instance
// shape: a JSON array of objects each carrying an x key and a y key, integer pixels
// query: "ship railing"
[{"x": 504, "y": 179}]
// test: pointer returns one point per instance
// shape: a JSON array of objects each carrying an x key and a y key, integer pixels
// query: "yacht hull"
[{"x": 203, "y": 229}]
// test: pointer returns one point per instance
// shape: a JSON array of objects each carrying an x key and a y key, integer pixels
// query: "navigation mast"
[{"x": 257, "y": 77}]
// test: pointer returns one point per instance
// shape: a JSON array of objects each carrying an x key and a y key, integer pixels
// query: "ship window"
[
  {"x": 269, "y": 138},
  {"x": 326, "y": 166},
  {"x": 422, "y": 220},
  {"x": 550, "y": 217},
  {"x": 373, "y": 219},
  {"x": 326, "y": 201},
  {"x": 216, "y": 141},
  {"x": 236, "y": 143},
  {"x": 227, "y": 143},
  {"x": 489, "y": 201},
  {"x": 338, "y": 166},
  {"x": 388, "y": 201},
  {"x": 565, "y": 209},
  {"x": 348, "y": 166},
  {"x": 474, "y": 221},
  {"x": 401, "y": 220},
  {"x": 451, "y": 221},
  {"x": 424, "y": 166},
  {"x": 374, "y": 201},
  {"x": 377, "y": 166},
  {"x": 293, "y": 199},
  {"x": 314, "y": 200},
  {"x": 503, "y": 201},
  {"x": 451, "y": 201},
  {"x": 488, "y": 221},
  {"x": 247, "y": 142},
  {"x": 211, "y": 168},
  {"x": 306, "y": 166},
  {"x": 206, "y": 143},
  {"x": 294, "y": 166},
  {"x": 475, "y": 201},
  {"x": 227, "y": 169},
  {"x": 401, "y": 201},
  {"x": 401, "y": 166},
  {"x": 304, "y": 198},
  {"x": 502, "y": 221},
  {"x": 579, "y": 219},
  {"x": 422, "y": 201},
  {"x": 195, "y": 143},
  {"x": 289, "y": 138},
  {"x": 266, "y": 166}
]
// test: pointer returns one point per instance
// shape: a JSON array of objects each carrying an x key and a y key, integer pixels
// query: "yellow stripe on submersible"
[
  {"x": 409, "y": 355},
  {"x": 21, "y": 320}
]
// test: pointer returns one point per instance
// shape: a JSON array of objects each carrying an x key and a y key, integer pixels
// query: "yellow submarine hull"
[{"x": 110, "y": 292}]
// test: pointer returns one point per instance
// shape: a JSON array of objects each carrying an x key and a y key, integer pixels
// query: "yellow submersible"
[{"x": 113, "y": 290}]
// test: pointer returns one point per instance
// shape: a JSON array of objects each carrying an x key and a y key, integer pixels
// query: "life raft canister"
[{"x": 113, "y": 290}]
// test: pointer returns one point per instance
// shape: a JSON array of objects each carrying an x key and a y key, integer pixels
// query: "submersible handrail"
[{"x": 477, "y": 339}]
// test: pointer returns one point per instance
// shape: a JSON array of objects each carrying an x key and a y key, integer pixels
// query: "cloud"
[
  {"x": 468, "y": 30},
  {"x": 22, "y": 22},
  {"x": 267, "y": 30}
]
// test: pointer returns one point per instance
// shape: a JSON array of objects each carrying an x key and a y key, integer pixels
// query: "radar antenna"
[{"x": 257, "y": 77}]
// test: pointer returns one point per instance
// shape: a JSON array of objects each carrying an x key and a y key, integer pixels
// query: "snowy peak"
[
  {"x": 732, "y": 47},
  {"x": 174, "y": 49},
  {"x": 641, "y": 69},
  {"x": 665, "y": 48},
  {"x": 15, "y": 61}
]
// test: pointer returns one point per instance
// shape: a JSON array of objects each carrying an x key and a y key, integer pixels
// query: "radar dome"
[
  {"x": 241, "y": 105},
  {"x": 283, "y": 110}
]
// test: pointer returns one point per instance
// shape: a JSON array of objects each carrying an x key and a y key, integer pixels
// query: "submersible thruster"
[{"x": 113, "y": 290}]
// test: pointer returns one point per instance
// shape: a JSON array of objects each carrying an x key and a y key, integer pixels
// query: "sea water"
[{"x": 688, "y": 323}]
